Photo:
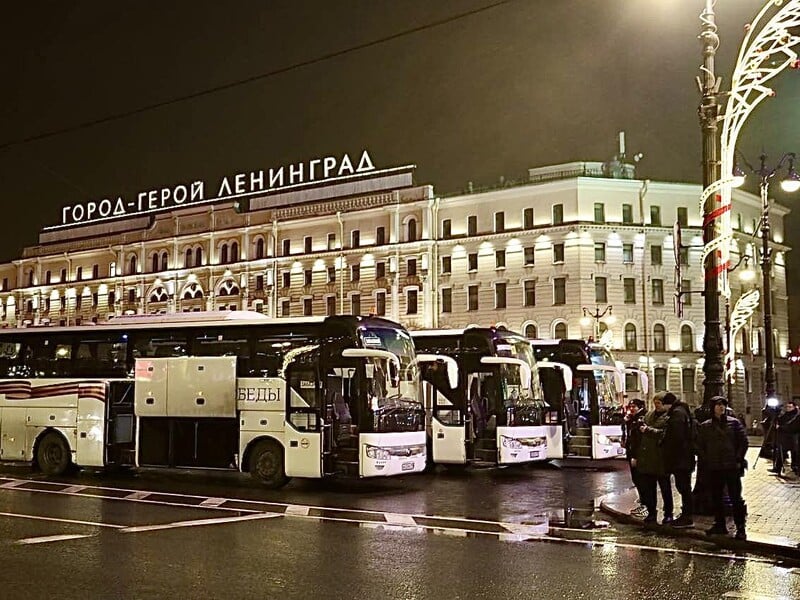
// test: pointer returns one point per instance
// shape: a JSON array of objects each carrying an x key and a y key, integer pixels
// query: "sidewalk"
[{"x": 773, "y": 507}]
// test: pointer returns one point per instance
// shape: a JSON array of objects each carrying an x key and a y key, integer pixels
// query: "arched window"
[
  {"x": 132, "y": 265},
  {"x": 223, "y": 254},
  {"x": 412, "y": 230},
  {"x": 192, "y": 292},
  {"x": 235, "y": 252},
  {"x": 530, "y": 331},
  {"x": 229, "y": 288},
  {"x": 630, "y": 337},
  {"x": 687, "y": 344},
  {"x": 561, "y": 331},
  {"x": 659, "y": 338},
  {"x": 187, "y": 262},
  {"x": 164, "y": 261},
  {"x": 260, "y": 248},
  {"x": 198, "y": 257},
  {"x": 154, "y": 266},
  {"x": 159, "y": 295}
]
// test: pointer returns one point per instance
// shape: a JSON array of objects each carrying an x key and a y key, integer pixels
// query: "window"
[
  {"x": 472, "y": 225},
  {"x": 447, "y": 300},
  {"x": 683, "y": 216},
  {"x": 308, "y": 244},
  {"x": 331, "y": 274},
  {"x": 527, "y": 218},
  {"x": 627, "y": 213},
  {"x": 560, "y": 331},
  {"x": 472, "y": 260},
  {"x": 659, "y": 379},
  {"x": 472, "y": 297},
  {"x": 411, "y": 267},
  {"x": 112, "y": 299},
  {"x": 411, "y": 302},
  {"x": 656, "y": 255},
  {"x": 499, "y": 295},
  {"x": 655, "y": 216},
  {"x": 683, "y": 255},
  {"x": 286, "y": 247},
  {"x": 380, "y": 304},
  {"x": 259, "y": 248},
  {"x": 629, "y": 290},
  {"x": 558, "y": 214},
  {"x": 164, "y": 261},
  {"x": 198, "y": 257},
  {"x": 131, "y": 295},
  {"x": 530, "y": 255},
  {"x": 499, "y": 222},
  {"x": 447, "y": 229},
  {"x": 47, "y": 278},
  {"x": 411, "y": 230},
  {"x": 447, "y": 264},
  {"x": 659, "y": 338},
  {"x": 686, "y": 288},
  {"x": 187, "y": 259},
  {"x": 259, "y": 282},
  {"x": 330, "y": 305},
  {"x": 599, "y": 212},
  {"x": 530, "y": 331},
  {"x": 355, "y": 273},
  {"x": 286, "y": 276},
  {"x": 558, "y": 253},
  {"x": 307, "y": 307},
  {"x": 154, "y": 266},
  {"x": 687, "y": 339},
  {"x": 380, "y": 270},
  {"x": 286, "y": 307},
  {"x": 355, "y": 238},
  {"x": 355, "y": 304},
  {"x": 331, "y": 241},
  {"x": 559, "y": 290},
  {"x": 627, "y": 253},
  {"x": 95, "y": 300},
  {"x": 112, "y": 271},
  {"x": 600, "y": 289},
  {"x": 599, "y": 252},
  {"x": 530, "y": 293},
  {"x": 79, "y": 271},
  {"x": 223, "y": 254},
  {"x": 380, "y": 236},
  {"x": 500, "y": 259},
  {"x": 631, "y": 382},
  {"x": 687, "y": 380},
  {"x": 630, "y": 337},
  {"x": 658, "y": 291},
  {"x": 307, "y": 277}
]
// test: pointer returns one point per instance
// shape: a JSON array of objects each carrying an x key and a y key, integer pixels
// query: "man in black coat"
[
  {"x": 787, "y": 428},
  {"x": 679, "y": 459},
  {"x": 633, "y": 420},
  {"x": 722, "y": 445}
]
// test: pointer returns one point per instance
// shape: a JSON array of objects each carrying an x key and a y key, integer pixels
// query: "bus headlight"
[
  {"x": 377, "y": 453},
  {"x": 509, "y": 442}
]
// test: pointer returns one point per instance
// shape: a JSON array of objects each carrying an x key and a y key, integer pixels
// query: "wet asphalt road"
[{"x": 211, "y": 535}]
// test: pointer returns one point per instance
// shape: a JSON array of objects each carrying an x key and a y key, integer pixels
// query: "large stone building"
[{"x": 546, "y": 257}]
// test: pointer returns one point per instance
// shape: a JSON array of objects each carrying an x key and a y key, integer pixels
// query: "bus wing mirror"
[
  {"x": 370, "y": 353},
  {"x": 524, "y": 368},
  {"x": 451, "y": 364}
]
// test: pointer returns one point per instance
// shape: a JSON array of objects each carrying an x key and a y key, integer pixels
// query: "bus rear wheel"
[
  {"x": 266, "y": 464},
  {"x": 52, "y": 454}
]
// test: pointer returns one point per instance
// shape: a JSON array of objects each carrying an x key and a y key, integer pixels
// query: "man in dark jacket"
[
  {"x": 679, "y": 455},
  {"x": 722, "y": 444},
  {"x": 634, "y": 418},
  {"x": 787, "y": 428}
]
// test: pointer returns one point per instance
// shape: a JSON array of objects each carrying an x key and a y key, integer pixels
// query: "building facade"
[{"x": 572, "y": 252}]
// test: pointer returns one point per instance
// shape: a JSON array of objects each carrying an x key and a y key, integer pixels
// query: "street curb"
[{"x": 729, "y": 543}]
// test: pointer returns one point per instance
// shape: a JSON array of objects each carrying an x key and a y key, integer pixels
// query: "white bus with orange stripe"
[{"x": 279, "y": 398}]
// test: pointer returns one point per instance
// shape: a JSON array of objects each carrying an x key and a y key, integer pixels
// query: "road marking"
[
  {"x": 134, "y": 495},
  {"x": 13, "y": 483},
  {"x": 56, "y": 520},
  {"x": 52, "y": 538},
  {"x": 295, "y": 510},
  {"x": 197, "y": 522},
  {"x": 400, "y": 519},
  {"x": 213, "y": 502},
  {"x": 73, "y": 489}
]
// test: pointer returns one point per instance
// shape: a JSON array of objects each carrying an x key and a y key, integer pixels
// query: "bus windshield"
[
  {"x": 390, "y": 387},
  {"x": 513, "y": 391}
]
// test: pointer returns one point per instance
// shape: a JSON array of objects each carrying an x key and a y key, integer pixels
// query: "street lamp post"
[{"x": 596, "y": 316}]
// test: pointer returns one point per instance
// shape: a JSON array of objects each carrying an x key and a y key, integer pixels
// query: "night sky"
[{"x": 102, "y": 99}]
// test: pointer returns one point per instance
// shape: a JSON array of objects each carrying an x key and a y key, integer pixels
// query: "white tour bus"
[
  {"x": 482, "y": 397},
  {"x": 279, "y": 398}
]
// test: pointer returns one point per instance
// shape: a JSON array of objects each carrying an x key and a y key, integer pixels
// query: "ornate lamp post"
[{"x": 596, "y": 316}]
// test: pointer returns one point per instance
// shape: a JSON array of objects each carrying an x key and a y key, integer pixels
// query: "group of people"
[
  {"x": 663, "y": 445},
  {"x": 787, "y": 429}
]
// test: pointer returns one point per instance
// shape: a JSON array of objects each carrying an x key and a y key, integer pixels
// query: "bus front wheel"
[
  {"x": 266, "y": 464},
  {"x": 52, "y": 454}
]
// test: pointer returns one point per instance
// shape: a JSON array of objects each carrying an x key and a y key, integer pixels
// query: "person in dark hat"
[
  {"x": 679, "y": 452},
  {"x": 787, "y": 426},
  {"x": 633, "y": 420},
  {"x": 722, "y": 445}
]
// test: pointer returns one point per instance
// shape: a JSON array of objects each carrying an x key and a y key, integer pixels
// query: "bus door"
[
  {"x": 606, "y": 435},
  {"x": 303, "y": 430},
  {"x": 120, "y": 425},
  {"x": 342, "y": 410},
  {"x": 445, "y": 408}
]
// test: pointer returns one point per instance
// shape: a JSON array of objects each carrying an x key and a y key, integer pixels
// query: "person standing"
[
  {"x": 787, "y": 428},
  {"x": 649, "y": 463},
  {"x": 679, "y": 455},
  {"x": 722, "y": 445},
  {"x": 633, "y": 420}
]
